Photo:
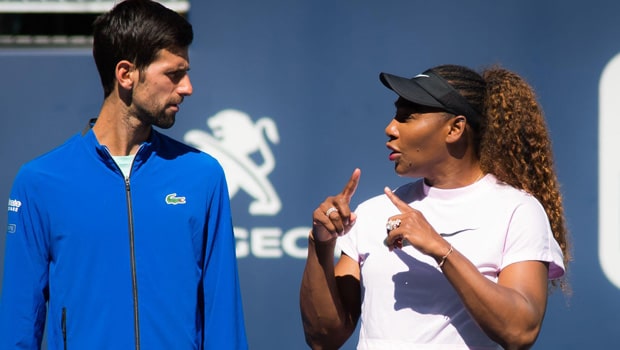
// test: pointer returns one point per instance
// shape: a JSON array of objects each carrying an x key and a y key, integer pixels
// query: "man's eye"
[{"x": 176, "y": 76}]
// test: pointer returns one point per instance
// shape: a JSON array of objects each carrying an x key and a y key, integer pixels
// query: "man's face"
[{"x": 161, "y": 88}]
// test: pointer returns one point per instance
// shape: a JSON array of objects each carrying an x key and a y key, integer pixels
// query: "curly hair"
[{"x": 513, "y": 142}]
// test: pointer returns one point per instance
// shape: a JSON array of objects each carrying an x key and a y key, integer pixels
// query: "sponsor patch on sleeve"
[{"x": 14, "y": 205}]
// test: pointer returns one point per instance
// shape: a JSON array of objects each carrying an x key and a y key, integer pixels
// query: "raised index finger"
[
  {"x": 402, "y": 206},
  {"x": 351, "y": 186}
]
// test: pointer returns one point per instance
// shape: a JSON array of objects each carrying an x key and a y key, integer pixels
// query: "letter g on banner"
[{"x": 609, "y": 171}]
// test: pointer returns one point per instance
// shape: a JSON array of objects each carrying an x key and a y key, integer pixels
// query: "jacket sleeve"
[
  {"x": 25, "y": 281},
  {"x": 224, "y": 326}
]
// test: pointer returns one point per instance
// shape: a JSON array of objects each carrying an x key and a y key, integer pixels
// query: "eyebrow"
[{"x": 179, "y": 69}]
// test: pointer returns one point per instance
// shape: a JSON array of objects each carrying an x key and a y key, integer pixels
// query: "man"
[{"x": 123, "y": 232}]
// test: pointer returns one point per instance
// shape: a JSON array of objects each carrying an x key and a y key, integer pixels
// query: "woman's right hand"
[{"x": 334, "y": 217}]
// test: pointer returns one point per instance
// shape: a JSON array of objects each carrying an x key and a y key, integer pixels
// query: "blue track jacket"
[{"x": 146, "y": 262}]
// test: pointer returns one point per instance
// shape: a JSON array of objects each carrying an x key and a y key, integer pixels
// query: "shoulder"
[
  {"x": 55, "y": 158},
  {"x": 172, "y": 149},
  {"x": 507, "y": 193}
]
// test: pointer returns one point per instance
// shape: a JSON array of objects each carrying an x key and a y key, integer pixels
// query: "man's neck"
[{"x": 120, "y": 132}]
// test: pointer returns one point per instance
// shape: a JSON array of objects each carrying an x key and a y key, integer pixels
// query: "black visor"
[{"x": 431, "y": 90}]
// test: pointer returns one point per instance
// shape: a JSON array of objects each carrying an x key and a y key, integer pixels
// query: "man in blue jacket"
[{"x": 122, "y": 236}]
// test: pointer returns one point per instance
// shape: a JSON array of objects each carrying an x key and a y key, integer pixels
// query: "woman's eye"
[{"x": 403, "y": 117}]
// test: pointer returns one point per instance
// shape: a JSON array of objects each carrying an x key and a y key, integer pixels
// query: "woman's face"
[{"x": 417, "y": 139}]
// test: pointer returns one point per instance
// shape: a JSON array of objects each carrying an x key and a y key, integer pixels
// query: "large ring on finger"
[
  {"x": 330, "y": 210},
  {"x": 392, "y": 224}
]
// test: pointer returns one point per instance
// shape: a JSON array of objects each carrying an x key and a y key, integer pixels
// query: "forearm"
[
  {"x": 508, "y": 316},
  {"x": 223, "y": 322},
  {"x": 327, "y": 324}
]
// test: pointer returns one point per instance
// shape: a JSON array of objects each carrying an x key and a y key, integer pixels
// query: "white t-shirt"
[
  {"x": 406, "y": 301},
  {"x": 124, "y": 163}
]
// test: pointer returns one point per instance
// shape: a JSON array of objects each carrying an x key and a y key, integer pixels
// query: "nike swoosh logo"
[
  {"x": 421, "y": 76},
  {"x": 455, "y": 233},
  {"x": 405, "y": 242}
]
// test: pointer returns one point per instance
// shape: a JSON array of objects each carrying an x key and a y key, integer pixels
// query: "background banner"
[{"x": 287, "y": 97}]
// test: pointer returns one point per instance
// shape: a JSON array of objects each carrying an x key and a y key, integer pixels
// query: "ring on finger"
[
  {"x": 392, "y": 224},
  {"x": 331, "y": 210}
]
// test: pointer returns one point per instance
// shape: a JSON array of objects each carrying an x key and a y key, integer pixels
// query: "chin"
[
  {"x": 399, "y": 173},
  {"x": 405, "y": 172},
  {"x": 398, "y": 170},
  {"x": 165, "y": 123}
]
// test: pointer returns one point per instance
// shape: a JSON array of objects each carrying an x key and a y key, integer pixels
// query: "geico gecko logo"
[
  {"x": 233, "y": 141},
  {"x": 609, "y": 171}
]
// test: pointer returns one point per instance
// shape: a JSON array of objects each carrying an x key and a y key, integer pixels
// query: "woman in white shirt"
[{"x": 461, "y": 258}]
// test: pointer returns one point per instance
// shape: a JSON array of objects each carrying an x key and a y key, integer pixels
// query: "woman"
[{"x": 470, "y": 247}]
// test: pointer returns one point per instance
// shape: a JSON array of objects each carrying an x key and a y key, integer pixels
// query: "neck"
[
  {"x": 120, "y": 132},
  {"x": 455, "y": 177}
]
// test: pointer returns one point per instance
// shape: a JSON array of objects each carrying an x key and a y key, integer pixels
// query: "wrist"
[
  {"x": 314, "y": 241},
  {"x": 442, "y": 260},
  {"x": 323, "y": 250}
]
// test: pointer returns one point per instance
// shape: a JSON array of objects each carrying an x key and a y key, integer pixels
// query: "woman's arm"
[
  {"x": 510, "y": 311},
  {"x": 330, "y": 296},
  {"x": 330, "y": 299}
]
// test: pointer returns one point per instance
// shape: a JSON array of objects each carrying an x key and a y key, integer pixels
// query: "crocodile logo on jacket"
[
  {"x": 174, "y": 200},
  {"x": 236, "y": 142}
]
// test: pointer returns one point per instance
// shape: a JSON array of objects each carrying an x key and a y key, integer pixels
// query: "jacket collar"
[{"x": 145, "y": 151}]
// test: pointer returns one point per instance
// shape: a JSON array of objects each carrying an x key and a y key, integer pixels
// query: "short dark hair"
[{"x": 136, "y": 30}]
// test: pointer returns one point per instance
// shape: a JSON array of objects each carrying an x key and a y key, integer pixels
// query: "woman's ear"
[{"x": 457, "y": 128}]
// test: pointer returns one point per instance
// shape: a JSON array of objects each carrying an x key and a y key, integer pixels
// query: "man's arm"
[
  {"x": 25, "y": 284},
  {"x": 224, "y": 326}
]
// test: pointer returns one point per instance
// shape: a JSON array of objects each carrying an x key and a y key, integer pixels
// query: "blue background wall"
[{"x": 312, "y": 68}]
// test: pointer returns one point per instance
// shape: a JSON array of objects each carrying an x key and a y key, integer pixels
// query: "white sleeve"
[
  {"x": 529, "y": 237},
  {"x": 348, "y": 243}
]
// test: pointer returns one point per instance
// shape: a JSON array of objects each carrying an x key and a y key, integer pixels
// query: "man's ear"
[
  {"x": 126, "y": 74},
  {"x": 457, "y": 128}
]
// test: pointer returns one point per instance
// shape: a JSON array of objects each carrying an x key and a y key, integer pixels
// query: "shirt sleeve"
[
  {"x": 25, "y": 282},
  {"x": 224, "y": 326},
  {"x": 347, "y": 244},
  {"x": 530, "y": 238}
]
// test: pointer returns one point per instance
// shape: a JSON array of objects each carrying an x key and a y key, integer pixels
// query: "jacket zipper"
[
  {"x": 63, "y": 326},
  {"x": 132, "y": 255},
  {"x": 132, "y": 252}
]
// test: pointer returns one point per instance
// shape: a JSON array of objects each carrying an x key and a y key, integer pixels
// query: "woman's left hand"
[
  {"x": 510, "y": 311},
  {"x": 413, "y": 228}
]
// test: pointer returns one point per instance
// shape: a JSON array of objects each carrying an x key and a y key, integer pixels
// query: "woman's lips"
[{"x": 394, "y": 154}]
